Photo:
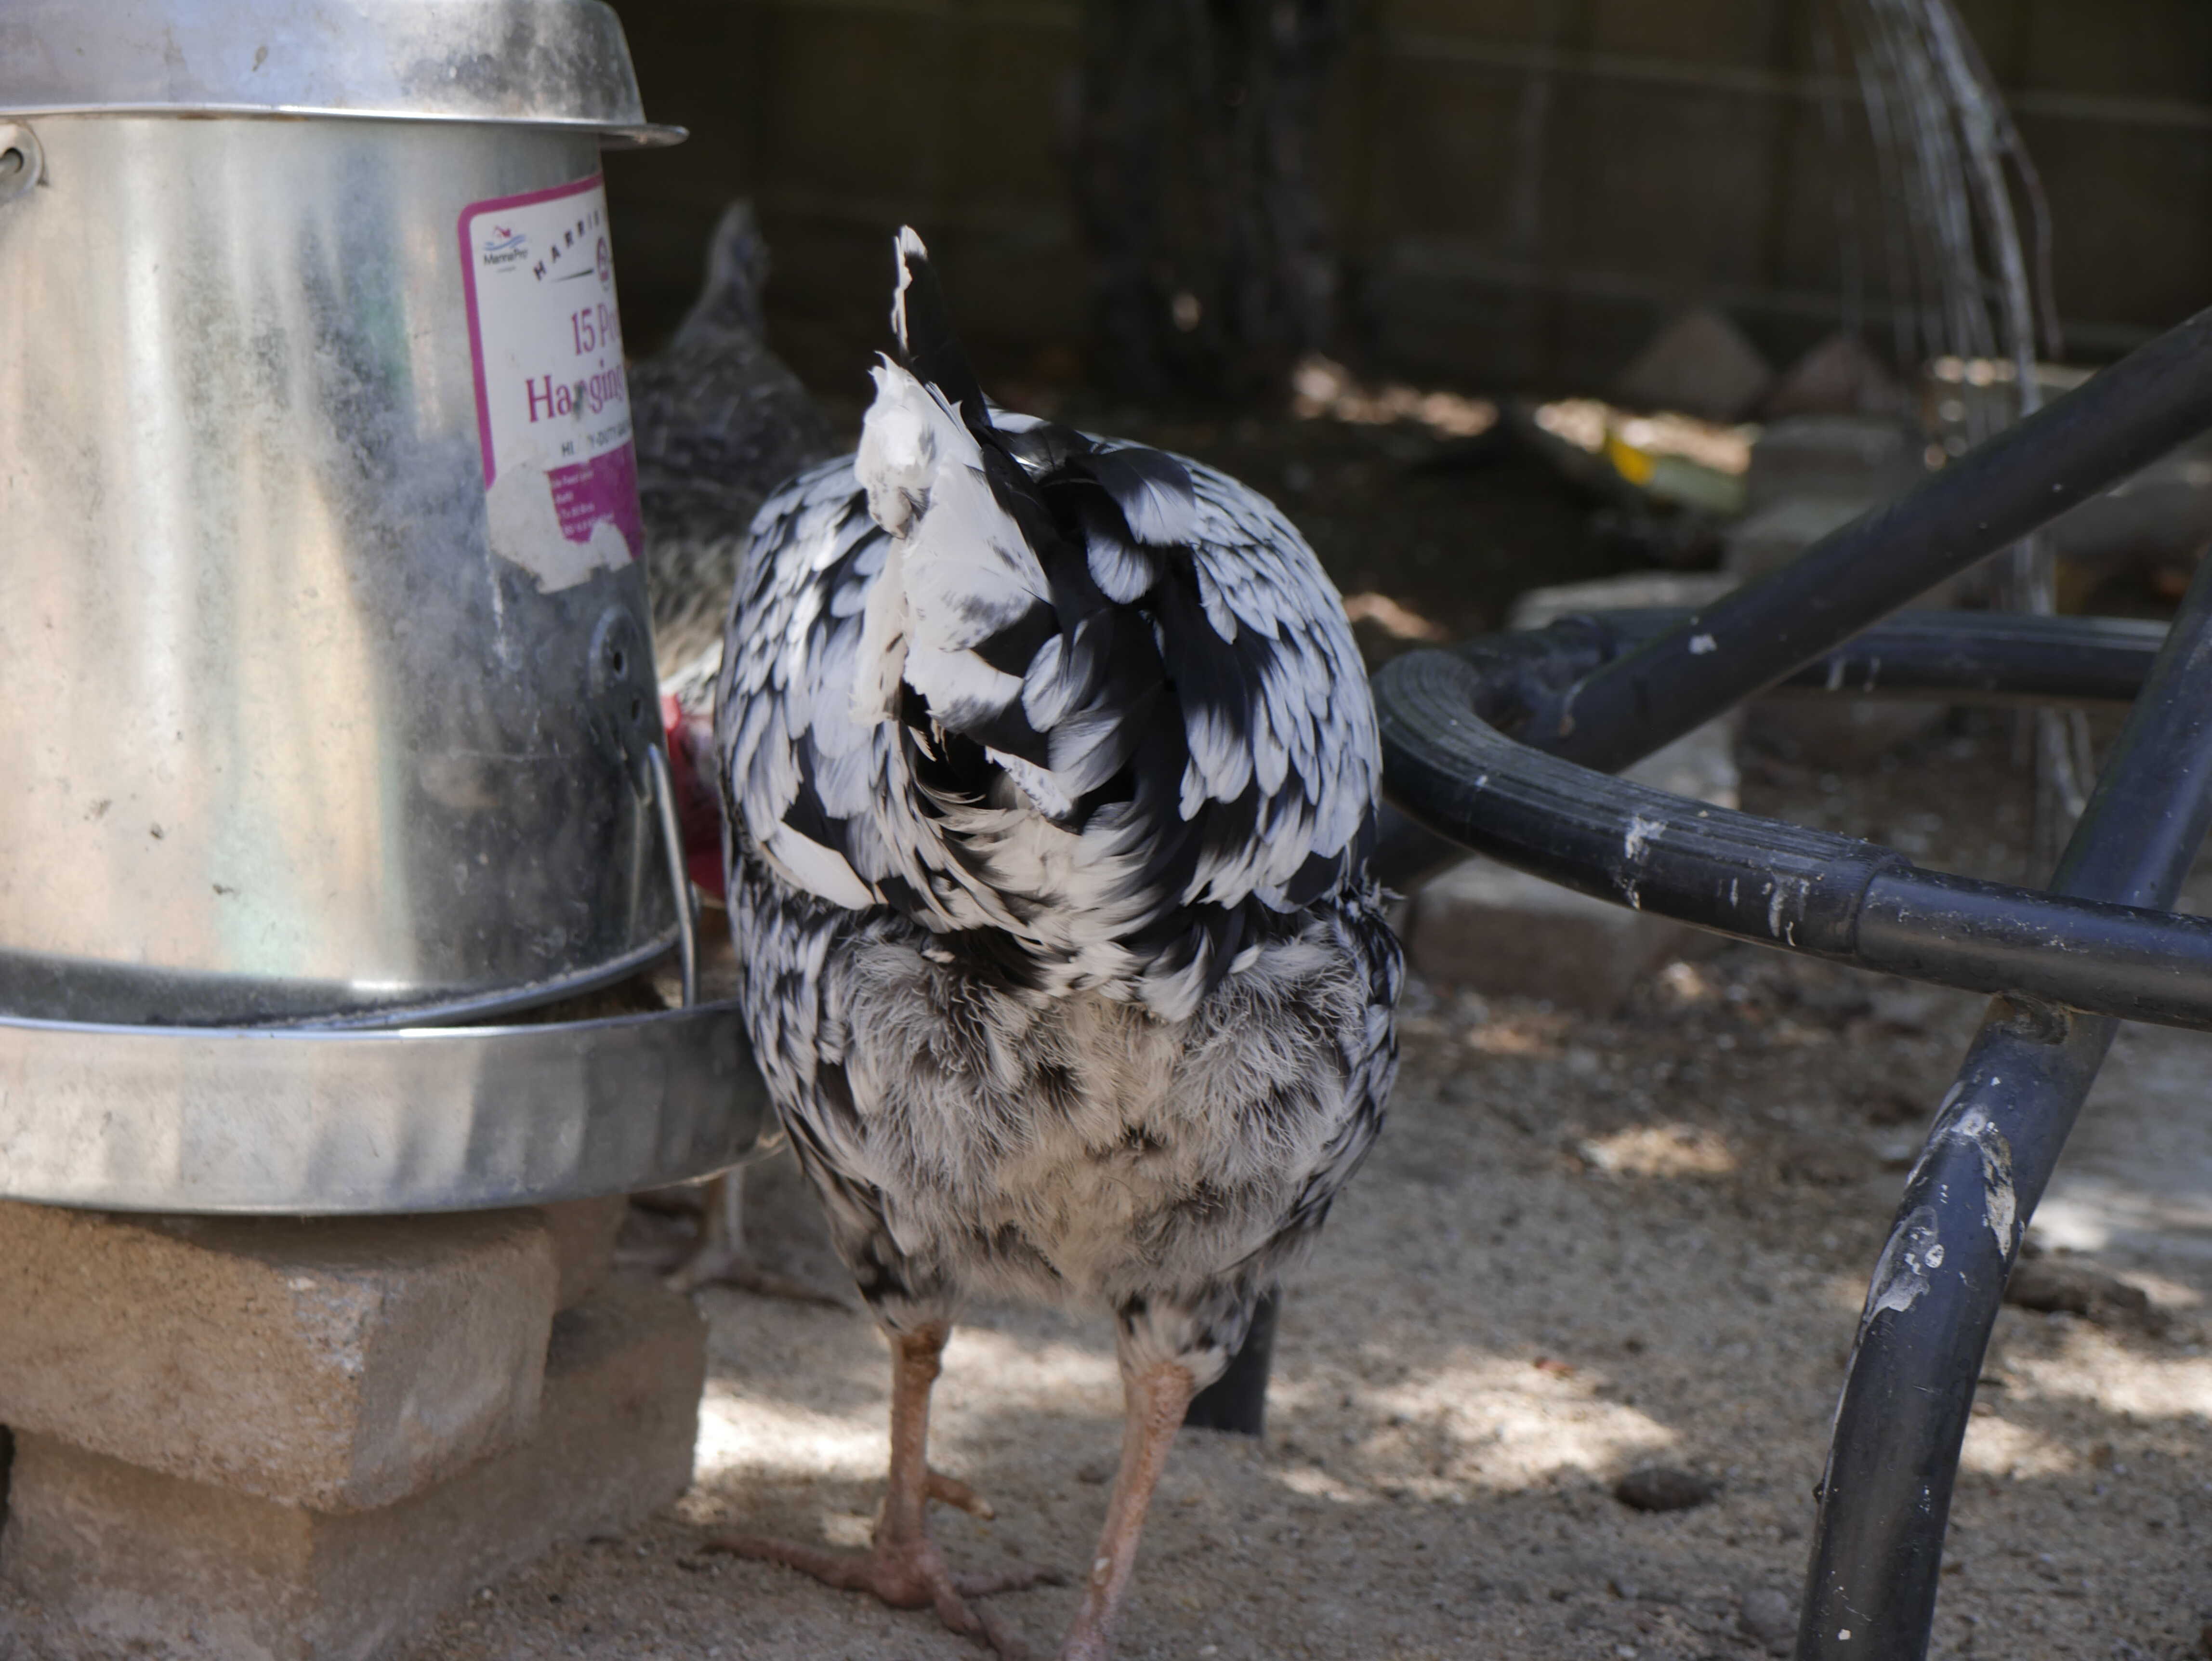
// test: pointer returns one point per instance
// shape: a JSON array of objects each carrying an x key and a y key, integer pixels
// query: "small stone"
[
  {"x": 1664, "y": 1487},
  {"x": 1839, "y": 377},
  {"x": 1822, "y": 1161},
  {"x": 2052, "y": 1285},
  {"x": 1769, "y": 1618},
  {"x": 1099, "y": 1470},
  {"x": 1701, "y": 364}
]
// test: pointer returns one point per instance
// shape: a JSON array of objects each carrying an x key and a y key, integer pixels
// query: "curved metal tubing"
[
  {"x": 2001, "y": 659},
  {"x": 1760, "y": 879},
  {"x": 1966, "y": 657},
  {"x": 320, "y": 1121}
]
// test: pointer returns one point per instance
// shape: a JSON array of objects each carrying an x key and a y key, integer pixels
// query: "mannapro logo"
[{"x": 504, "y": 246}]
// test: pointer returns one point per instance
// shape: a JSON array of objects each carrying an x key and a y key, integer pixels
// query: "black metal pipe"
[
  {"x": 2133, "y": 963},
  {"x": 1780, "y": 884},
  {"x": 1894, "y": 1458},
  {"x": 2003, "y": 659},
  {"x": 1237, "y": 1400},
  {"x": 2113, "y": 424},
  {"x": 1964, "y": 657},
  {"x": 1886, "y": 1499}
]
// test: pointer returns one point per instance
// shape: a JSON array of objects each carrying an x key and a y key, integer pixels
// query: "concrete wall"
[{"x": 1523, "y": 188}]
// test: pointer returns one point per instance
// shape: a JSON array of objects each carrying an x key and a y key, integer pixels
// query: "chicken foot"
[{"x": 903, "y": 1566}]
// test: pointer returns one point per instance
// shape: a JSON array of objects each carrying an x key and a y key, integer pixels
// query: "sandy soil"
[{"x": 1584, "y": 1245}]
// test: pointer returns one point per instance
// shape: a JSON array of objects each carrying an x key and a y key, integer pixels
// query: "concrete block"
[
  {"x": 1635, "y": 590},
  {"x": 1838, "y": 457},
  {"x": 584, "y": 1232},
  {"x": 2162, "y": 515},
  {"x": 1768, "y": 537},
  {"x": 116, "y": 1560},
  {"x": 336, "y": 1363}
]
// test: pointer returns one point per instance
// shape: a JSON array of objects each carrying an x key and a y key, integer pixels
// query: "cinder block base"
[
  {"x": 118, "y": 1560},
  {"x": 333, "y": 1363},
  {"x": 584, "y": 1233}
]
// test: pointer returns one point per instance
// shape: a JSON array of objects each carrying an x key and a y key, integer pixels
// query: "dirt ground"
[{"x": 1583, "y": 1245}]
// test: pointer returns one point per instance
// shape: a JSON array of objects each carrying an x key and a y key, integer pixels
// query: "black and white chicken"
[{"x": 1050, "y": 771}]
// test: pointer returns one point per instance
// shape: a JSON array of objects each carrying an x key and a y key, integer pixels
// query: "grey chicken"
[
  {"x": 719, "y": 423},
  {"x": 1050, "y": 770}
]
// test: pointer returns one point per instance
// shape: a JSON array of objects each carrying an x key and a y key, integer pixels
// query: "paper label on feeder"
[{"x": 552, "y": 404}]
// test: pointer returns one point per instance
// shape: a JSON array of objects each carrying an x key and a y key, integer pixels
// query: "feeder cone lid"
[{"x": 538, "y": 62}]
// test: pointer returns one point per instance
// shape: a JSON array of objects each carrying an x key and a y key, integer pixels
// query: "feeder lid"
[{"x": 535, "y": 63}]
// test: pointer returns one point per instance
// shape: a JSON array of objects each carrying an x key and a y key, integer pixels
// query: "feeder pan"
[{"x": 330, "y": 736}]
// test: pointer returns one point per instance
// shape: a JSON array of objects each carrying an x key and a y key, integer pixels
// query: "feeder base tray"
[{"x": 308, "y": 1120}]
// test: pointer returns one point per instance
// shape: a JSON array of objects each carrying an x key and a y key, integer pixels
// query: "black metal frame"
[{"x": 2066, "y": 964}]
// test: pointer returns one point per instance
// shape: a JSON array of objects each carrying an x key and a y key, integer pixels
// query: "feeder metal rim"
[
  {"x": 332, "y": 1122},
  {"x": 638, "y": 135},
  {"x": 548, "y": 63},
  {"x": 35, "y": 986},
  {"x": 332, "y": 1033}
]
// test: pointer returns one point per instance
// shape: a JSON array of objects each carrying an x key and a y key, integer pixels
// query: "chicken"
[
  {"x": 719, "y": 422},
  {"x": 1050, "y": 771}
]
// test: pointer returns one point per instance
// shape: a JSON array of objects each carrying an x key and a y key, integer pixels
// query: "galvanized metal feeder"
[{"x": 330, "y": 719}]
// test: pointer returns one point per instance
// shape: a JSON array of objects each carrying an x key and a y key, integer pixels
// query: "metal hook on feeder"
[
  {"x": 671, "y": 843},
  {"x": 23, "y": 161}
]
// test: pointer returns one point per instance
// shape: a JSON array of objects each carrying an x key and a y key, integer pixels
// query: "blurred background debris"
[
  {"x": 1493, "y": 300},
  {"x": 1383, "y": 259}
]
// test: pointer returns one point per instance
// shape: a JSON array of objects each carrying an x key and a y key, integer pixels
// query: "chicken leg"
[
  {"x": 1155, "y": 1401},
  {"x": 903, "y": 1566},
  {"x": 721, "y": 1256}
]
